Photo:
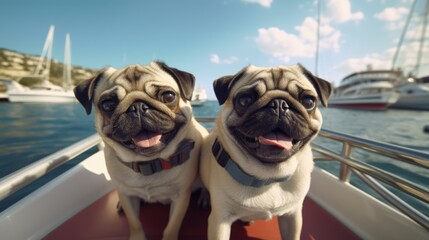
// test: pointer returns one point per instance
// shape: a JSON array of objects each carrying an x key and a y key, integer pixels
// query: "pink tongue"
[
  {"x": 146, "y": 139},
  {"x": 276, "y": 138}
]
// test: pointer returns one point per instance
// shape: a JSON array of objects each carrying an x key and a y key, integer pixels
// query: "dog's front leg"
[
  {"x": 290, "y": 225},
  {"x": 178, "y": 209},
  {"x": 219, "y": 225},
  {"x": 131, "y": 207}
]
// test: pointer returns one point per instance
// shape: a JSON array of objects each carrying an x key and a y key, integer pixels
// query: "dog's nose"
[
  {"x": 137, "y": 107},
  {"x": 279, "y": 104}
]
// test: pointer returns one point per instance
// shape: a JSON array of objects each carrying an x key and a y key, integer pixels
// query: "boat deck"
[{"x": 100, "y": 220}]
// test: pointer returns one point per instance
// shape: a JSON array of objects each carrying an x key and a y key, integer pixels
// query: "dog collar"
[
  {"x": 225, "y": 161},
  {"x": 150, "y": 167}
]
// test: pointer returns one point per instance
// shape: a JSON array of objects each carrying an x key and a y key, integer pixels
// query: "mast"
[
  {"x": 422, "y": 38},
  {"x": 47, "y": 52},
  {"x": 317, "y": 39},
  {"x": 48, "y": 59},
  {"x": 410, "y": 14},
  {"x": 67, "y": 63}
]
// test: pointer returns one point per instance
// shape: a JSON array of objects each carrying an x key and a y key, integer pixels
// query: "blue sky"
[{"x": 212, "y": 38}]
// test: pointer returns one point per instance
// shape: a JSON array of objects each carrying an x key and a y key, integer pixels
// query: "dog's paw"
[{"x": 204, "y": 199}]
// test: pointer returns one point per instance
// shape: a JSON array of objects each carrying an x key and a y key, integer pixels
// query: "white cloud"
[
  {"x": 214, "y": 58},
  {"x": 340, "y": 11},
  {"x": 415, "y": 32},
  {"x": 374, "y": 61},
  {"x": 409, "y": 54},
  {"x": 392, "y": 14},
  {"x": 395, "y": 25},
  {"x": 351, "y": 65},
  {"x": 307, "y": 30},
  {"x": 263, "y": 3},
  {"x": 283, "y": 45},
  {"x": 393, "y": 17},
  {"x": 407, "y": 60},
  {"x": 329, "y": 36}
]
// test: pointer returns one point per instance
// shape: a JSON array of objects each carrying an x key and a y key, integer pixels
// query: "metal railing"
[
  {"x": 373, "y": 176},
  {"x": 21, "y": 178},
  {"x": 367, "y": 173}
]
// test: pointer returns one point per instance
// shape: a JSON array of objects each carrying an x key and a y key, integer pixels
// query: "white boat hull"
[
  {"x": 199, "y": 97},
  {"x": 45, "y": 92},
  {"x": 413, "y": 96},
  {"x": 197, "y": 103},
  {"x": 376, "y": 101},
  {"x": 420, "y": 102},
  {"x": 371, "y": 89},
  {"x": 41, "y": 96}
]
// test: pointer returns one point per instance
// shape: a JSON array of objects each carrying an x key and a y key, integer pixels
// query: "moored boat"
[
  {"x": 370, "y": 89},
  {"x": 3, "y": 89},
  {"x": 45, "y": 91},
  {"x": 414, "y": 94},
  {"x": 199, "y": 97},
  {"x": 81, "y": 203}
]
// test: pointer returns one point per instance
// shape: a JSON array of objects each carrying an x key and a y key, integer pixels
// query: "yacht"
[
  {"x": 199, "y": 97},
  {"x": 45, "y": 91},
  {"x": 370, "y": 89},
  {"x": 414, "y": 94}
]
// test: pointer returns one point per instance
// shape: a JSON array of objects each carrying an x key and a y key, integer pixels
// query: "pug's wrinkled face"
[
  {"x": 273, "y": 112},
  {"x": 140, "y": 108}
]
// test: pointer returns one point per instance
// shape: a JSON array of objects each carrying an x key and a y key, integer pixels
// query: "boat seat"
[{"x": 100, "y": 220}]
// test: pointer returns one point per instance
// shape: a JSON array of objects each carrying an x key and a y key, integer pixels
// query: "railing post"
[{"x": 344, "y": 169}]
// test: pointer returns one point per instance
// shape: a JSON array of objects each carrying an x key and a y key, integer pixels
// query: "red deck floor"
[{"x": 101, "y": 221}]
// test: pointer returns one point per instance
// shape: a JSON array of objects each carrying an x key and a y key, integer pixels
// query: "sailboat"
[
  {"x": 379, "y": 89},
  {"x": 414, "y": 92},
  {"x": 45, "y": 91},
  {"x": 199, "y": 97}
]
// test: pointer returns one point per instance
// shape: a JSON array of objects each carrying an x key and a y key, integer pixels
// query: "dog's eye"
[
  {"x": 168, "y": 97},
  {"x": 245, "y": 100},
  {"x": 309, "y": 102},
  {"x": 108, "y": 105}
]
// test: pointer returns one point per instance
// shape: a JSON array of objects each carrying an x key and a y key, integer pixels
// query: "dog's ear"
[
  {"x": 84, "y": 91},
  {"x": 221, "y": 88},
  {"x": 323, "y": 87},
  {"x": 185, "y": 80},
  {"x": 223, "y": 85}
]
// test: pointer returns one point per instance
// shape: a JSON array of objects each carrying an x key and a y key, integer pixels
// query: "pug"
[
  {"x": 152, "y": 141},
  {"x": 257, "y": 160}
]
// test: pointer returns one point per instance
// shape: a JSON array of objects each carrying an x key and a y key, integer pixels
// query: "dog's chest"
[
  {"x": 151, "y": 191},
  {"x": 264, "y": 205},
  {"x": 264, "y": 212},
  {"x": 159, "y": 187}
]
